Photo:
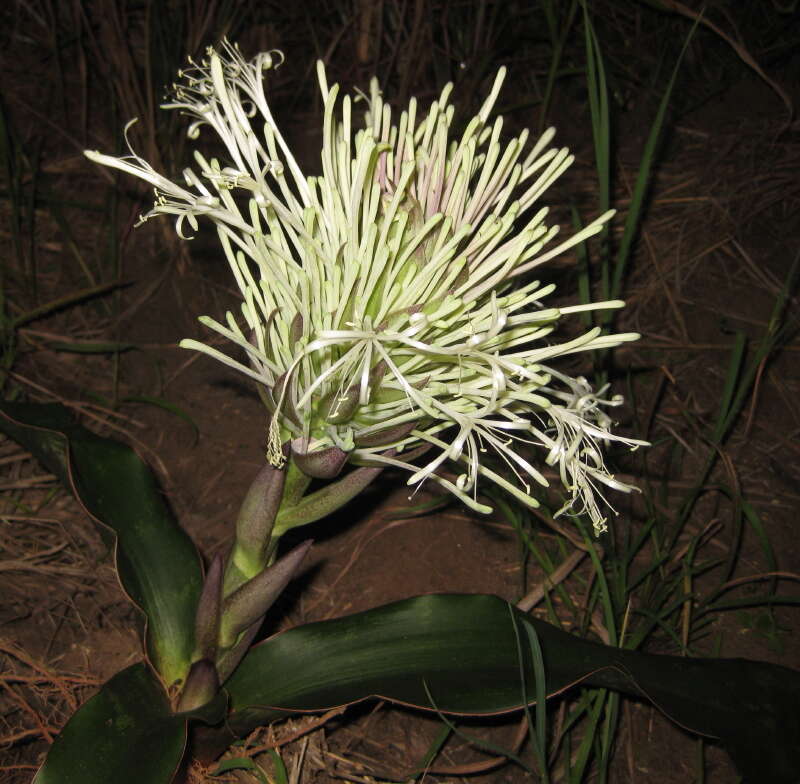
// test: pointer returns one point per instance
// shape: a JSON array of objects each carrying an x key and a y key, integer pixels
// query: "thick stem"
[
  {"x": 296, "y": 485},
  {"x": 275, "y": 503}
]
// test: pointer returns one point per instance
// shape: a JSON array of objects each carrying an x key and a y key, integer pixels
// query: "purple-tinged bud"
[
  {"x": 325, "y": 464},
  {"x": 282, "y": 403},
  {"x": 296, "y": 329},
  {"x": 328, "y": 500},
  {"x": 207, "y": 617},
  {"x": 256, "y": 518},
  {"x": 377, "y": 373},
  {"x": 339, "y": 408},
  {"x": 384, "y": 437},
  {"x": 202, "y": 685},
  {"x": 249, "y": 603}
]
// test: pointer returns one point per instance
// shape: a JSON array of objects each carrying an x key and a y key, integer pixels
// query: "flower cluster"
[{"x": 387, "y": 304}]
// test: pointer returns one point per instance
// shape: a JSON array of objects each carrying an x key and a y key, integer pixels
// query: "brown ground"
[{"x": 720, "y": 237}]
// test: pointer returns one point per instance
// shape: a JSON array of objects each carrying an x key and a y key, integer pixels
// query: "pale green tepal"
[{"x": 383, "y": 303}]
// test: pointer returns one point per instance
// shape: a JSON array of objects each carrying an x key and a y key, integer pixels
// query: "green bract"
[{"x": 383, "y": 307}]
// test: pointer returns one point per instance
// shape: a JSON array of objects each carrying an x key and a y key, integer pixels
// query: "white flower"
[{"x": 383, "y": 304}]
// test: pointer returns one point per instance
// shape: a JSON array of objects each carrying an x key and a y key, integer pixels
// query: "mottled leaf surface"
[{"x": 125, "y": 734}]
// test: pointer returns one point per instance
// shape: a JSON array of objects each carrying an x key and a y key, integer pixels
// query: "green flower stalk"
[{"x": 385, "y": 304}]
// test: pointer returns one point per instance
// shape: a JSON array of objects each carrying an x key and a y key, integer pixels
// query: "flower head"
[{"x": 384, "y": 303}]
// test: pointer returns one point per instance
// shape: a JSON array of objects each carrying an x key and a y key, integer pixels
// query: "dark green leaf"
[
  {"x": 125, "y": 734},
  {"x": 156, "y": 560},
  {"x": 465, "y": 649}
]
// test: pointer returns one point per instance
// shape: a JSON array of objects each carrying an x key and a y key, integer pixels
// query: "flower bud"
[
  {"x": 202, "y": 685},
  {"x": 338, "y": 409},
  {"x": 384, "y": 437},
  {"x": 256, "y": 518},
  {"x": 323, "y": 464},
  {"x": 249, "y": 603},
  {"x": 206, "y": 625}
]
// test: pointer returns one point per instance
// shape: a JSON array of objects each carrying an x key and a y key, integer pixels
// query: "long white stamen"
[{"x": 391, "y": 284}]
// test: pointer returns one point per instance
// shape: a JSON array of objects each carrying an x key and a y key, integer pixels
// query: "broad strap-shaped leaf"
[
  {"x": 467, "y": 651},
  {"x": 751, "y": 707},
  {"x": 157, "y": 563},
  {"x": 125, "y": 734}
]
